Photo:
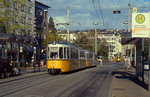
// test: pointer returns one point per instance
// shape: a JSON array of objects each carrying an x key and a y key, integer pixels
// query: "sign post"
[
  {"x": 141, "y": 29},
  {"x": 141, "y": 25}
]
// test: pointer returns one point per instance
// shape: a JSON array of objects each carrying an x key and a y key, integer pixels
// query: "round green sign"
[{"x": 140, "y": 18}]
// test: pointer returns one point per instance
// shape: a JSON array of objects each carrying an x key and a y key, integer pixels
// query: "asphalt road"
[{"x": 91, "y": 82}]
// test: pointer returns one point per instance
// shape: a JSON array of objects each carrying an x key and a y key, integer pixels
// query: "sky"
[{"x": 84, "y": 13}]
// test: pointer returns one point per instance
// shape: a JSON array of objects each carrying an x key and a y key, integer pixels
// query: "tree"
[
  {"x": 84, "y": 42},
  {"x": 51, "y": 25},
  {"x": 102, "y": 48},
  {"x": 9, "y": 17},
  {"x": 53, "y": 36}
]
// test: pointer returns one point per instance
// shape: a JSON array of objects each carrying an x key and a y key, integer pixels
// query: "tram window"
[
  {"x": 82, "y": 55},
  {"x": 65, "y": 53},
  {"x": 71, "y": 53},
  {"x": 76, "y": 54},
  {"x": 60, "y": 52},
  {"x": 54, "y": 52},
  {"x": 54, "y": 55},
  {"x": 68, "y": 53},
  {"x": 0, "y": 51},
  {"x": 48, "y": 53},
  {"x": 91, "y": 56}
]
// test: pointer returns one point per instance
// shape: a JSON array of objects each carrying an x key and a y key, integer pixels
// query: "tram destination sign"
[{"x": 141, "y": 25}]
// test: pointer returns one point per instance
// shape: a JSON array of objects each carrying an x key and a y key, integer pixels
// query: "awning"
[
  {"x": 125, "y": 41},
  {"x": 6, "y": 37}
]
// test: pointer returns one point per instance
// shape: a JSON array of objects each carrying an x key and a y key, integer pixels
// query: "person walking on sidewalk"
[{"x": 126, "y": 63}]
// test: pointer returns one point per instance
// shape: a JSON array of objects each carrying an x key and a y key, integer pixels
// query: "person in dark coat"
[
  {"x": 1, "y": 69},
  {"x": 10, "y": 67}
]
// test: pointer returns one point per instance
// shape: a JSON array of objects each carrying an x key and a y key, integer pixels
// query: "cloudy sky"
[{"x": 86, "y": 12}]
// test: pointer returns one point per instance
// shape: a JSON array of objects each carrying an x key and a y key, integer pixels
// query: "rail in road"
[{"x": 91, "y": 82}]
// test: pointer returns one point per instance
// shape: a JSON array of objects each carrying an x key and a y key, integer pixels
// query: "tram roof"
[{"x": 63, "y": 43}]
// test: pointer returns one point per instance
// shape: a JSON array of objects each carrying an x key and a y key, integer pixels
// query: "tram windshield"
[{"x": 54, "y": 52}]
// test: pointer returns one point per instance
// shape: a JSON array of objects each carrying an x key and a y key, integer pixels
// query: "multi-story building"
[
  {"x": 27, "y": 17},
  {"x": 41, "y": 19},
  {"x": 41, "y": 25},
  {"x": 19, "y": 16},
  {"x": 113, "y": 42}
]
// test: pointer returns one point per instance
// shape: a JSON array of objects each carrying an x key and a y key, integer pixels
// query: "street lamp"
[
  {"x": 95, "y": 37},
  {"x": 125, "y": 24}
]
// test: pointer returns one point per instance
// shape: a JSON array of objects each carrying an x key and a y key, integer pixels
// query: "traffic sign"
[
  {"x": 140, "y": 18},
  {"x": 141, "y": 25},
  {"x": 134, "y": 9}
]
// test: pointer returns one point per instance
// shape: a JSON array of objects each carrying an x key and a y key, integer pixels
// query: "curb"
[{"x": 21, "y": 77}]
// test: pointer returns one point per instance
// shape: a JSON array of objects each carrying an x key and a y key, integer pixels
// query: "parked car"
[{"x": 146, "y": 66}]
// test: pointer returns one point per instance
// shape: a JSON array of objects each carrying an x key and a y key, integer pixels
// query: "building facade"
[{"x": 18, "y": 17}]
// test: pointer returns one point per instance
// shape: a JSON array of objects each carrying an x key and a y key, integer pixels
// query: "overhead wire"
[
  {"x": 115, "y": 18},
  {"x": 101, "y": 13}
]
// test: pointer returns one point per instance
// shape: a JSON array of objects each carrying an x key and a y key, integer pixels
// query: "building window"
[
  {"x": 15, "y": 5},
  {"x": 23, "y": 7},
  {"x": 22, "y": 31},
  {"x": 29, "y": 32},
  {"x": 29, "y": 9},
  {"x": 29, "y": 21},
  {"x": 23, "y": 20},
  {"x": 30, "y": 0}
]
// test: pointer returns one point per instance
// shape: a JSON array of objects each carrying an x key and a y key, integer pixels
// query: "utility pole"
[
  {"x": 68, "y": 24},
  {"x": 129, "y": 12},
  {"x": 95, "y": 37}
]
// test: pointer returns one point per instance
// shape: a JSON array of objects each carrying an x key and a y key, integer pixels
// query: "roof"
[
  {"x": 125, "y": 41},
  {"x": 5, "y": 36},
  {"x": 37, "y": 2},
  {"x": 16, "y": 38}
]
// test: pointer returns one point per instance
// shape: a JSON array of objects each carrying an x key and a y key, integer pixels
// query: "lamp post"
[
  {"x": 125, "y": 24},
  {"x": 95, "y": 37}
]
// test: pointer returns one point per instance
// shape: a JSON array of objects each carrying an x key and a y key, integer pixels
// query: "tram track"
[
  {"x": 84, "y": 87},
  {"x": 84, "y": 83},
  {"x": 13, "y": 87}
]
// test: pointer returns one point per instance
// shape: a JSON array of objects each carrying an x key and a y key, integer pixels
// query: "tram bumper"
[{"x": 54, "y": 71}]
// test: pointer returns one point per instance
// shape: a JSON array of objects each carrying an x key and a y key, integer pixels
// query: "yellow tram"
[
  {"x": 118, "y": 59},
  {"x": 63, "y": 56}
]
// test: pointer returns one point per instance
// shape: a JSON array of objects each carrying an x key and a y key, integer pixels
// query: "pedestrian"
[
  {"x": 101, "y": 61},
  {"x": 16, "y": 71},
  {"x": 9, "y": 68},
  {"x": 1, "y": 68},
  {"x": 129, "y": 64},
  {"x": 126, "y": 63}
]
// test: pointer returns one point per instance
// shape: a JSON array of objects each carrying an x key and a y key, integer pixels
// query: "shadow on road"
[{"x": 129, "y": 76}]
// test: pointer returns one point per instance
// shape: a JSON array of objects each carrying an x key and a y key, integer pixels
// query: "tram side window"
[
  {"x": 48, "y": 53},
  {"x": 0, "y": 51},
  {"x": 68, "y": 53},
  {"x": 60, "y": 52},
  {"x": 91, "y": 56},
  {"x": 82, "y": 56},
  {"x": 74, "y": 53},
  {"x": 65, "y": 53}
]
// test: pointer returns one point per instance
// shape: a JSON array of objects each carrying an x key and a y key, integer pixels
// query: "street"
[{"x": 91, "y": 82}]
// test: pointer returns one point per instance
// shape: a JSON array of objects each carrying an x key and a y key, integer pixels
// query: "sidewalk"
[
  {"x": 23, "y": 76},
  {"x": 125, "y": 84}
]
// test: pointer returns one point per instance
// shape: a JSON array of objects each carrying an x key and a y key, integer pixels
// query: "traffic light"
[{"x": 116, "y": 12}]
